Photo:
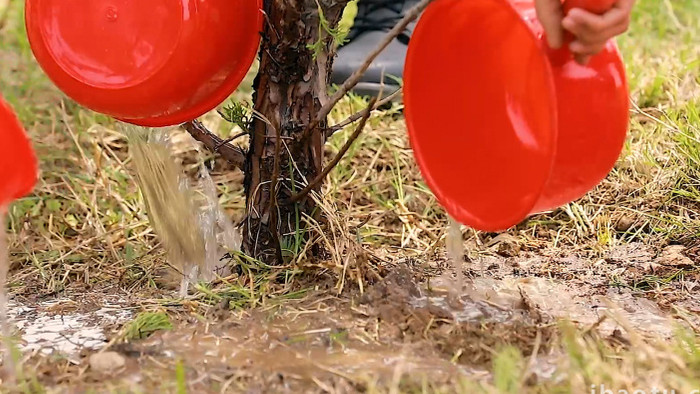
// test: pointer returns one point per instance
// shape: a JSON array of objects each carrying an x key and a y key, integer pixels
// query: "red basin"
[
  {"x": 18, "y": 167},
  {"x": 501, "y": 126},
  {"x": 152, "y": 63}
]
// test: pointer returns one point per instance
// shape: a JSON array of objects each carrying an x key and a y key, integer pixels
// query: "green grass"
[{"x": 146, "y": 324}]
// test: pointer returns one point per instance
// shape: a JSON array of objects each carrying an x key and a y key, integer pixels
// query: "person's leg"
[{"x": 374, "y": 19}]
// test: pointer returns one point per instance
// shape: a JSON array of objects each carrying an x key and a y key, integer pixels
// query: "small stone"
[
  {"x": 107, "y": 362},
  {"x": 624, "y": 223},
  {"x": 673, "y": 256},
  {"x": 506, "y": 245}
]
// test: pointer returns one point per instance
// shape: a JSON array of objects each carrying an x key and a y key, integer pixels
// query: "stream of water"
[
  {"x": 4, "y": 322},
  {"x": 455, "y": 251},
  {"x": 186, "y": 216}
]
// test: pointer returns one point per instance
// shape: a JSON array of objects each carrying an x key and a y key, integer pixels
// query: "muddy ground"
[{"x": 405, "y": 331}]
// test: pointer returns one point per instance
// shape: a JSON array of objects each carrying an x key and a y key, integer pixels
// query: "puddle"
[
  {"x": 463, "y": 310},
  {"x": 67, "y": 334},
  {"x": 302, "y": 348},
  {"x": 492, "y": 300}
]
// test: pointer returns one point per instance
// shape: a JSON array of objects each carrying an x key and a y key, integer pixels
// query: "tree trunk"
[{"x": 290, "y": 89}]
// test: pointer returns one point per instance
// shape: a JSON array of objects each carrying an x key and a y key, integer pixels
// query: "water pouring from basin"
[
  {"x": 185, "y": 214},
  {"x": 18, "y": 175},
  {"x": 517, "y": 128}
]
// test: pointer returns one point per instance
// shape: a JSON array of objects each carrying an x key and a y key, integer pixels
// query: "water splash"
[
  {"x": 207, "y": 222},
  {"x": 169, "y": 201},
  {"x": 213, "y": 217},
  {"x": 184, "y": 215}
]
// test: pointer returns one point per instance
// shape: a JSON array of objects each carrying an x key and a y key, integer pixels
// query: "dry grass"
[{"x": 85, "y": 234}]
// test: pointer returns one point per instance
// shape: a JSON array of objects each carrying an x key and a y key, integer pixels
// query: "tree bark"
[{"x": 290, "y": 90}]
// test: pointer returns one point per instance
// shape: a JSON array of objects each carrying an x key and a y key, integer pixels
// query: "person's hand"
[{"x": 591, "y": 31}]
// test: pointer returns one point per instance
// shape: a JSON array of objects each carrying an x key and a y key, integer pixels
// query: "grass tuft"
[{"x": 146, "y": 324}]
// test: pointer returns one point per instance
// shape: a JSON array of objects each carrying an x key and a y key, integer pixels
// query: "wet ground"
[{"x": 401, "y": 329}]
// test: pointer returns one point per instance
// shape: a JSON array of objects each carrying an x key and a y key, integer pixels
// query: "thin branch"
[
  {"x": 358, "y": 115},
  {"x": 338, "y": 157},
  {"x": 228, "y": 140},
  {"x": 354, "y": 79},
  {"x": 215, "y": 144}
]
